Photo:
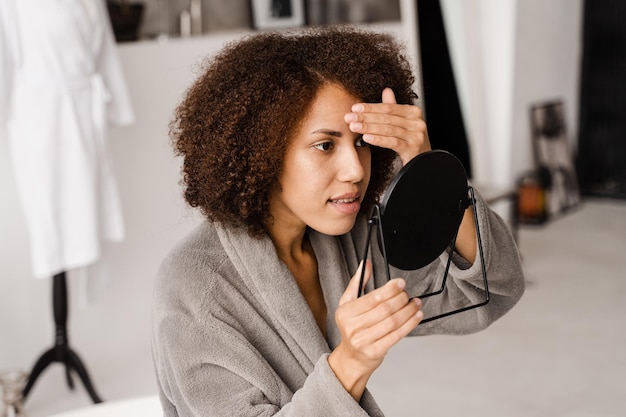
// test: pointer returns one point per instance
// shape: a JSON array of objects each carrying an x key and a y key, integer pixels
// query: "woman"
[{"x": 287, "y": 139}]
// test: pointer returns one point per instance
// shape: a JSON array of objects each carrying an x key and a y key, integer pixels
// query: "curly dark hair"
[{"x": 234, "y": 123}]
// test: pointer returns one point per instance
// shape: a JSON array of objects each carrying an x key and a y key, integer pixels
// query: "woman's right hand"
[{"x": 369, "y": 327}]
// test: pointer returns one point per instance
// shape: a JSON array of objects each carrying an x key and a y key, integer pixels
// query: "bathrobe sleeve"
[
  {"x": 218, "y": 353},
  {"x": 464, "y": 285},
  {"x": 120, "y": 109}
]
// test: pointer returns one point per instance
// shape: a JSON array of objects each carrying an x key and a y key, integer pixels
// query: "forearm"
[
  {"x": 465, "y": 282},
  {"x": 465, "y": 244}
]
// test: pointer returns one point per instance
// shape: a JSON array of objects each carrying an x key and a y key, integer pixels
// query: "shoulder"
[
  {"x": 190, "y": 268},
  {"x": 198, "y": 250},
  {"x": 203, "y": 271}
]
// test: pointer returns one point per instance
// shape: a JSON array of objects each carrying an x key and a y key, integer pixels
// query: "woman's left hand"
[{"x": 400, "y": 127}]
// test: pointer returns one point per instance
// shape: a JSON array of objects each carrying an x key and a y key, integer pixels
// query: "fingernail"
[
  {"x": 351, "y": 117},
  {"x": 356, "y": 126},
  {"x": 401, "y": 283},
  {"x": 357, "y": 108},
  {"x": 418, "y": 302}
]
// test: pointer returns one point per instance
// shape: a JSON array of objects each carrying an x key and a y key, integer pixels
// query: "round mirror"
[{"x": 422, "y": 209}]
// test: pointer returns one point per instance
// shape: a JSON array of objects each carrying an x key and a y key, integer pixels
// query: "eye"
[
  {"x": 359, "y": 142},
  {"x": 324, "y": 146}
]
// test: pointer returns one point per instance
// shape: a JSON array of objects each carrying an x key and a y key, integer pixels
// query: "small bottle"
[{"x": 531, "y": 200}]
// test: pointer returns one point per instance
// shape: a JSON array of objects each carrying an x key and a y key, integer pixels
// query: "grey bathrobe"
[{"x": 233, "y": 336}]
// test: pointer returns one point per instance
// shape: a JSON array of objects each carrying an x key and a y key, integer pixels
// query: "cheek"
[
  {"x": 366, "y": 161},
  {"x": 300, "y": 180},
  {"x": 290, "y": 173}
]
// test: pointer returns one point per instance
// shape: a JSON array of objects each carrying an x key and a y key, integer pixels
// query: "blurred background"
[{"x": 482, "y": 66}]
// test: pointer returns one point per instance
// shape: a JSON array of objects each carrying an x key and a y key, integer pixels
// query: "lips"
[
  {"x": 344, "y": 200},
  {"x": 347, "y": 203}
]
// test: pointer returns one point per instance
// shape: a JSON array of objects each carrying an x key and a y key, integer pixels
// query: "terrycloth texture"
[{"x": 233, "y": 335}]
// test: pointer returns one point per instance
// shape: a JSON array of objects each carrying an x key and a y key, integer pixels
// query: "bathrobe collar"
[{"x": 271, "y": 282}]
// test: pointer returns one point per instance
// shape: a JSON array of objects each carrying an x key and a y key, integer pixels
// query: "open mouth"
[
  {"x": 344, "y": 200},
  {"x": 350, "y": 205}
]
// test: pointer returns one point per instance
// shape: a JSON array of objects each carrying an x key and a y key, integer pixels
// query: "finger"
[
  {"x": 380, "y": 312},
  {"x": 403, "y": 122},
  {"x": 402, "y": 110},
  {"x": 387, "y": 112},
  {"x": 388, "y": 308},
  {"x": 389, "y": 339},
  {"x": 360, "y": 122},
  {"x": 389, "y": 331},
  {"x": 407, "y": 144},
  {"x": 389, "y": 96},
  {"x": 395, "y": 320},
  {"x": 387, "y": 131},
  {"x": 380, "y": 295},
  {"x": 351, "y": 290},
  {"x": 388, "y": 105}
]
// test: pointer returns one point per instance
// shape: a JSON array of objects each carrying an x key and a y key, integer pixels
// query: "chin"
[{"x": 335, "y": 229}]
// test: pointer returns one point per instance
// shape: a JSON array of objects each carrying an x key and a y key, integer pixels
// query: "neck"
[
  {"x": 295, "y": 250},
  {"x": 290, "y": 242}
]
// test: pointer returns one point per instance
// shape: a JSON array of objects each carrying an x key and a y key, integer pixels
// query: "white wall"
[
  {"x": 548, "y": 59},
  {"x": 506, "y": 55}
]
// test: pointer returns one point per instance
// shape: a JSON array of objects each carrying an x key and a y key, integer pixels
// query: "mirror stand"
[{"x": 376, "y": 220}]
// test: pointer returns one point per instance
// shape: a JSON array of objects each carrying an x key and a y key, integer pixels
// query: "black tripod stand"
[{"x": 61, "y": 351}]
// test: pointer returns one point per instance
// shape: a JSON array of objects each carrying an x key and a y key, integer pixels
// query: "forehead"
[{"x": 330, "y": 100}]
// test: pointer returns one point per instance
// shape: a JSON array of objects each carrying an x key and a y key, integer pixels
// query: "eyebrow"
[{"x": 328, "y": 132}]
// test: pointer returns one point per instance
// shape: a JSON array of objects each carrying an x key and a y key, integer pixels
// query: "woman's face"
[{"x": 326, "y": 169}]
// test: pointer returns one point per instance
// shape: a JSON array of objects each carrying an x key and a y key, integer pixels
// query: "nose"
[{"x": 351, "y": 165}]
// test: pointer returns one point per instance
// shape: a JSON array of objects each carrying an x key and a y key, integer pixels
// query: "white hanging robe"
[{"x": 61, "y": 84}]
